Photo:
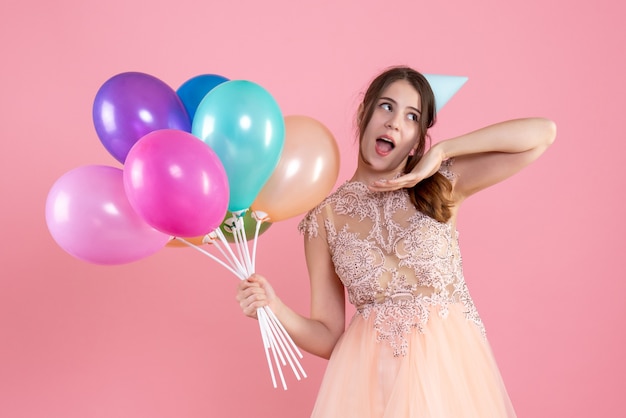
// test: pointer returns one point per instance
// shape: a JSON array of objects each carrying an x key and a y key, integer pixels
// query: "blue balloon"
[
  {"x": 245, "y": 127},
  {"x": 192, "y": 91}
]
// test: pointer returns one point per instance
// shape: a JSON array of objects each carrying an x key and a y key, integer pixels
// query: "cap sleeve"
[
  {"x": 447, "y": 171},
  {"x": 314, "y": 223},
  {"x": 309, "y": 225}
]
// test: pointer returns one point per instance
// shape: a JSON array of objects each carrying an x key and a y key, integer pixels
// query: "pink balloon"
[
  {"x": 90, "y": 217},
  {"x": 176, "y": 183}
]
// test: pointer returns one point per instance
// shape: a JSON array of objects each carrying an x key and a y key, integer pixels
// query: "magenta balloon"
[
  {"x": 176, "y": 183},
  {"x": 90, "y": 217},
  {"x": 129, "y": 105}
]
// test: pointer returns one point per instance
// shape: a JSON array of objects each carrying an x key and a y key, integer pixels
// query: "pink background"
[{"x": 164, "y": 337}]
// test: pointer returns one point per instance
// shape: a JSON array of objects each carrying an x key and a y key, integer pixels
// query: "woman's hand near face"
[{"x": 428, "y": 165}]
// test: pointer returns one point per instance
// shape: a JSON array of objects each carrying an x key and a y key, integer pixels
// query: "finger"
[
  {"x": 256, "y": 278},
  {"x": 252, "y": 303},
  {"x": 247, "y": 284},
  {"x": 396, "y": 184},
  {"x": 249, "y": 311},
  {"x": 257, "y": 297},
  {"x": 244, "y": 294},
  {"x": 387, "y": 187}
]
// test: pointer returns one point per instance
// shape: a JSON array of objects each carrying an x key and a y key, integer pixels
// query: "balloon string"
[
  {"x": 272, "y": 343},
  {"x": 266, "y": 347},
  {"x": 222, "y": 238},
  {"x": 237, "y": 241},
  {"x": 274, "y": 319},
  {"x": 244, "y": 243},
  {"x": 238, "y": 248},
  {"x": 208, "y": 254},
  {"x": 240, "y": 244},
  {"x": 234, "y": 263},
  {"x": 256, "y": 238},
  {"x": 284, "y": 348},
  {"x": 284, "y": 332},
  {"x": 275, "y": 338},
  {"x": 240, "y": 241}
]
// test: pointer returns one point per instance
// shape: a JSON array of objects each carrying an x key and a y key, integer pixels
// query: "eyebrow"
[{"x": 389, "y": 99}]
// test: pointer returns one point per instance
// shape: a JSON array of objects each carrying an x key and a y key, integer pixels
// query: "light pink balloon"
[
  {"x": 90, "y": 217},
  {"x": 176, "y": 183}
]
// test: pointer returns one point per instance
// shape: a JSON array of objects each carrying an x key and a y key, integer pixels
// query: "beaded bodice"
[{"x": 395, "y": 262}]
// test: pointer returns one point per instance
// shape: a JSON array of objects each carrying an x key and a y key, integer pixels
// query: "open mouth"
[{"x": 384, "y": 145}]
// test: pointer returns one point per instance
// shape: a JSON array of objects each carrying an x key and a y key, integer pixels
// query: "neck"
[{"x": 365, "y": 174}]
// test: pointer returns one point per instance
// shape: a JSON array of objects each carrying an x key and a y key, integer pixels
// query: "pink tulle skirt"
[{"x": 448, "y": 372}]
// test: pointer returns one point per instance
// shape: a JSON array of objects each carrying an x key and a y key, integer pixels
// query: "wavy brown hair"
[{"x": 431, "y": 196}]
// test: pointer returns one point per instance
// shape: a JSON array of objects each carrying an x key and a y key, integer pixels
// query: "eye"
[
  {"x": 413, "y": 116},
  {"x": 386, "y": 106}
]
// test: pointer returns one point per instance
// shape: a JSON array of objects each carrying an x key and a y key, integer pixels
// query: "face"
[{"x": 393, "y": 130}]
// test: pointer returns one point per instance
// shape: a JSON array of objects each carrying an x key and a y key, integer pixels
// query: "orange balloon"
[
  {"x": 306, "y": 172},
  {"x": 179, "y": 244}
]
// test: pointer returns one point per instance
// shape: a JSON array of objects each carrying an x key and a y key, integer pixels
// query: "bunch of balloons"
[{"x": 215, "y": 158}]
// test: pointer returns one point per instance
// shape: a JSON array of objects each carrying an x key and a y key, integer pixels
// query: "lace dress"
[{"x": 416, "y": 345}]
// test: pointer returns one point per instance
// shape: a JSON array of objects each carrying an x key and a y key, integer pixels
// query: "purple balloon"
[
  {"x": 130, "y": 105},
  {"x": 90, "y": 217},
  {"x": 176, "y": 183}
]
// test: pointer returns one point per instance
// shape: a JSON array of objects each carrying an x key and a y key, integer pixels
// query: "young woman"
[{"x": 416, "y": 346}]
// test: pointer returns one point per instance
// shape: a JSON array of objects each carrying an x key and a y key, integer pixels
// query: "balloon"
[
  {"x": 192, "y": 91},
  {"x": 90, "y": 217},
  {"x": 130, "y": 105},
  {"x": 243, "y": 124},
  {"x": 444, "y": 87},
  {"x": 249, "y": 227},
  {"x": 176, "y": 183},
  {"x": 306, "y": 173},
  {"x": 197, "y": 241}
]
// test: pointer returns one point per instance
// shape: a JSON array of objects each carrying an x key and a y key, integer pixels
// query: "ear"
[{"x": 359, "y": 114}]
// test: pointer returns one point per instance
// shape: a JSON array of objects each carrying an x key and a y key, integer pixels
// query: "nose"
[{"x": 392, "y": 122}]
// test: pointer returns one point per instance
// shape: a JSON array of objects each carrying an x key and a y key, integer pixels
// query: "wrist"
[
  {"x": 277, "y": 306},
  {"x": 440, "y": 150}
]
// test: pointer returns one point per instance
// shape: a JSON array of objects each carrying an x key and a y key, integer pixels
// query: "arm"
[
  {"x": 494, "y": 153},
  {"x": 319, "y": 333},
  {"x": 483, "y": 157}
]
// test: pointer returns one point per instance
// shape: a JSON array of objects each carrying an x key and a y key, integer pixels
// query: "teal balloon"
[
  {"x": 192, "y": 91},
  {"x": 244, "y": 126},
  {"x": 444, "y": 87}
]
